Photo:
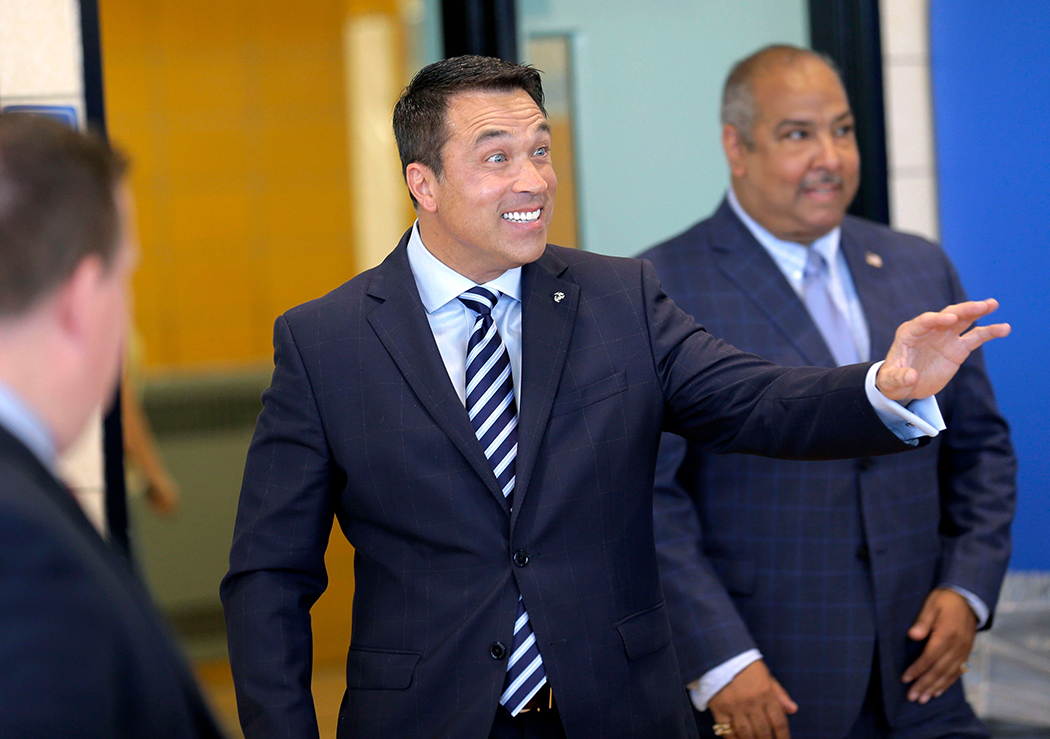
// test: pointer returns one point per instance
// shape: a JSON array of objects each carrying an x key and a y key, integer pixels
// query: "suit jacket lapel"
[
  {"x": 744, "y": 261},
  {"x": 547, "y": 321},
  {"x": 866, "y": 268},
  {"x": 401, "y": 324}
]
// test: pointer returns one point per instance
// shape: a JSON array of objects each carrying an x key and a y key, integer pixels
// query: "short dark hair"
[
  {"x": 57, "y": 206},
  {"x": 420, "y": 116},
  {"x": 738, "y": 96}
]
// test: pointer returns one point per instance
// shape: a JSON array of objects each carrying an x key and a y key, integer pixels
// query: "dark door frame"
[
  {"x": 849, "y": 32},
  {"x": 112, "y": 430},
  {"x": 484, "y": 27}
]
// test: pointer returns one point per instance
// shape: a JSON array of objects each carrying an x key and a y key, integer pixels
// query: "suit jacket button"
[
  {"x": 863, "y": 553},
  {"x": 521, "y": 558},
  {"x": 497, "y": 650}
]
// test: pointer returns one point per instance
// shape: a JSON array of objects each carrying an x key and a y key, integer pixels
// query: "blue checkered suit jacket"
[{"x": 812, "y": 562}]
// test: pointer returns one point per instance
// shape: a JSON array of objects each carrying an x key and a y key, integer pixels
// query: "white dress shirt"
[{"x": 440, "y": 287}]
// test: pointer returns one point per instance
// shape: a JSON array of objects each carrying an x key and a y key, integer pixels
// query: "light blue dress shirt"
[
  {"x": 20, "y": 421},
  {"x": 439, "y": 288}
]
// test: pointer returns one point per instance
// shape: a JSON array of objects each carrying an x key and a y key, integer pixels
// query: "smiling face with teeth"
[
  {"x": 802, "y": 169},
  {"x": 490, "y": 208}
]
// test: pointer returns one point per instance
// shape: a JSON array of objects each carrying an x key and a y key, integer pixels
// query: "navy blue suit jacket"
[
  {"x": 812, "y": 562},
  {"x": 83, "y": 652},
  {"x": 361, "y": 422}
]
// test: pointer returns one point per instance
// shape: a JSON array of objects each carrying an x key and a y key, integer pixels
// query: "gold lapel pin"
[{"x": 873, "y": 259}]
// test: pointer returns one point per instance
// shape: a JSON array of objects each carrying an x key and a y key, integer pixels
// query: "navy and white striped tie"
[{"x": 494, "y": 416}]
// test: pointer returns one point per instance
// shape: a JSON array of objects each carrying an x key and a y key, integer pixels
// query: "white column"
[{"x": 909, "y": 116}]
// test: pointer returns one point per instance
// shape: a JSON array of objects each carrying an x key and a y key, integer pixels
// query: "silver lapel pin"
[{"x": 559, "y": 296}]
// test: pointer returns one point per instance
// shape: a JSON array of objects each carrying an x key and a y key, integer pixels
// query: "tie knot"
[
  {"x": 816, "y": 265},
  {"x": 481, "y": 300}
]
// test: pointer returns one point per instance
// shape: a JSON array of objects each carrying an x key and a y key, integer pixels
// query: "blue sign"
[{"x": 64, "y": 113}]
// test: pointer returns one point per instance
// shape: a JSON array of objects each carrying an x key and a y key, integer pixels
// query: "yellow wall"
[{"x": 234, "y": 115}]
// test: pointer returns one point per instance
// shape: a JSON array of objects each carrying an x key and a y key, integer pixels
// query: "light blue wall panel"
[{"x": 648, "y": 79}]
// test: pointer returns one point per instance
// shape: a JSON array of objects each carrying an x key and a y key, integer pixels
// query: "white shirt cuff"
[
  {"x": 920, "y": 418},
  {"x": 703, "y": 690},
  {"x": 980, "y": 609}
]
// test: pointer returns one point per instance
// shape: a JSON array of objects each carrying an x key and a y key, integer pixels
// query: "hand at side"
[
  {"x": 950, "y": 624},
  {"x": 755, "y": 704}
]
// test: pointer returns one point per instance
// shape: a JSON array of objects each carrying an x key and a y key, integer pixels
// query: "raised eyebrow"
[
  {"x": 499, "y": 133},
  {"x": 490, "y": 133}
]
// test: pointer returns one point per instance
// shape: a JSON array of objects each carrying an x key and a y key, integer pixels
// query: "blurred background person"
[
  {"x": 82, "y": 651},
  {"x": 846, "y": 593}
]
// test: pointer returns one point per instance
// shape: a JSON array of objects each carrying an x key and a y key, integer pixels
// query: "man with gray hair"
[
  {"x": 83, "y": 653},
  {"x": 845, "y": 594}
]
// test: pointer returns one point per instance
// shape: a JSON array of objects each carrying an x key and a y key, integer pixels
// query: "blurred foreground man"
[
  {"x": 858, "y": 585},
  {"x": 83, "y": 653},
  {"x": 481, "y": 413}
]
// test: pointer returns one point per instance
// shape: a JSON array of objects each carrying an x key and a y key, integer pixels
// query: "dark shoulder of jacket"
[
  {"x": 863, "y": 229},
  {"x": 681, "y": 245}
]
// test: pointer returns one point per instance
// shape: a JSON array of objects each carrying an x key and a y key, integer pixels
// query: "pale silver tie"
[{"x": 833, "y": 325}]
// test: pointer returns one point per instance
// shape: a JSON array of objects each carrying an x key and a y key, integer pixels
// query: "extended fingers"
[
  {"x": 959, "y": 315},
  {"x": 786, "y": 704},
  {"x": 929, "y": 657},
  {"x": 981, "y": 334},
  {"x": 932, "y": 684},
  {"x": 777, "y": 722}
]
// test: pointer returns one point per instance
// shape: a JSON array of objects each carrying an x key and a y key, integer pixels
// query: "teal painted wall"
[{"x": 648, "y": 78}]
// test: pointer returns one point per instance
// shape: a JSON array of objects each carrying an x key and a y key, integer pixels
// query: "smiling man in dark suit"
[
  {"x": 481, "y": 413},
  {"x": 848, "y": 591},
  {"x": 83, "y": 653}
]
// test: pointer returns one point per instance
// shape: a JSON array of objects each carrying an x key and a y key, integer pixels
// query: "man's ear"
[
  {"x": 422, "y": 183},
  {"x": 735, "y": 149},
  {"x": 76, "y": 300}
]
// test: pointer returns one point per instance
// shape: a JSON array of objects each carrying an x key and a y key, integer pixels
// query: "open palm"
[{"x": 927, "y": 350}]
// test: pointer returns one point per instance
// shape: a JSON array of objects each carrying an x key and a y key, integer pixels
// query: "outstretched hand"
[{"x": 928, "y": 350}]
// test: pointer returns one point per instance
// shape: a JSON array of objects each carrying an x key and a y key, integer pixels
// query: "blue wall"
[{"x": 991, "y": 84}]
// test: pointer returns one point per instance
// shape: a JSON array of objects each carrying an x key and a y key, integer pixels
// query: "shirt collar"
[
  {"x": 438, "y": 283},
  {"x": 23, "y": 423},
  {"x": 827, "y": 245}
]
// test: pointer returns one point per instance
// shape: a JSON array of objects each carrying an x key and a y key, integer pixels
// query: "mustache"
[{"x": 824, "y": 178}]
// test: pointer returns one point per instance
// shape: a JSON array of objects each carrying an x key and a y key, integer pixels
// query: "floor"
[{"x": 329, "y": 683}]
